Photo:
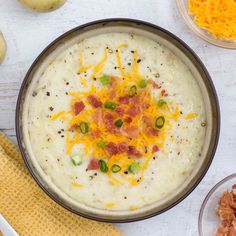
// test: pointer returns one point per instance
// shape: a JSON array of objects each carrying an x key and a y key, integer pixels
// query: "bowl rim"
[
  {"x": 117, "y": 21},
  {"x": 199, "y": 31},
  {"x": 207, "y": 197}
]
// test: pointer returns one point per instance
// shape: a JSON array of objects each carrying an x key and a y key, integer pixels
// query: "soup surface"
[{"x": 117, "y": 122}]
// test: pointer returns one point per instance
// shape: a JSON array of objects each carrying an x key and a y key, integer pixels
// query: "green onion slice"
[
  {"x": 118, "y": 123},
  {"x": 143, "y": 83},
  {"x": 133, "y": 91},
  {"x": 101, "y": 143},
  {"x": 115, "y": 168},
  {"x": 105, "y": 79},
  {"x": 110, "y": 105},
  {"x": 84, "y": 127},
  {"x": 103, "y": 166},
  {"x": 76, "y": 160},
  {"x": 134, "y": 168},
  {"x": 160, "y": 121},
  {"x": 161, "y": 103}
]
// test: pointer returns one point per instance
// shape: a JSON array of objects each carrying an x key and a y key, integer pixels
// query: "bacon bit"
[
  {"x": 155, "y": 148},
  {"x": 133, "y": 152},
  {"x": 73, "y": 127},
  {"x": 133, "y": 111},
  {"x": 78, "y": 107},
  {"x": 145, "y": 106},
  {"x": 124, "y": 100},
  {"x": 97, "y": 115},
  {"x": 132, "y": 131},
  {"x": 120, "y": 111},
  {"x": 93, "y": 164},
  {"x": 164, "y": 93},
  {"x": 152, "y": 131},
  {"x": 154, "y": 84},
  {"x": 112, "y": 94},
  {"x": 111, "y": 148},
  {"x": 114, "y": 83},
  {"x": 109, "y": 120},
  {"x": 122, "y": 147},
  {"x": 148, "y": 120},
  {"x": 136, "y": 100},
  {"x": 94, "y": 101},
  {"x": 227, "y": 213},
  {"x": 128, "y": 120},
  {"x": 95, "y": 134}
]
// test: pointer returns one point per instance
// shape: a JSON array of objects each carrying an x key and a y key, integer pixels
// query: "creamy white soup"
[{"x": 117, "y": 122}]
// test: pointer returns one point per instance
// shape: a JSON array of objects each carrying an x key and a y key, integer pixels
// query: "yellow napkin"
[{"x": 29, "y": 210}]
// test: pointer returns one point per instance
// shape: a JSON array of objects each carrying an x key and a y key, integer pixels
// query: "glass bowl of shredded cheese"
[{"x": 212, "y": 20}]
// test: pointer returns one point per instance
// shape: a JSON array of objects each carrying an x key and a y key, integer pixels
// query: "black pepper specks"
[
  {"x": 139, "y": 60},
  {"x": 48, "y": 93},
  {"x": 51, "y": 108},
  {"x": 34, "y": 94},
  {"x": 126, "y": 172},
  {"x": 67, "y": 83},
  {"x": 129, "y": 63}
]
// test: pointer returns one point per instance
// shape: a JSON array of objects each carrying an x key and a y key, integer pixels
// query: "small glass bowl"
[
  {"x": 208, "y": 220},
  {"x": 204, "y": 34}
]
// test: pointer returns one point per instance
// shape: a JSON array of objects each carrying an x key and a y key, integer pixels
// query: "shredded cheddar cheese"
[
  {"x": 218, "y": 17},
  {"x": 190, "y": 116}
]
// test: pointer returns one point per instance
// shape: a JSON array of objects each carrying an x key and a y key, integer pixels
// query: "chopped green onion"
[
  {"x": 161, "y": 103},
  {"x": 101, "y": 143},
  {"x": 134, "y": 168},
  {"x": 115, "y": 168},
  {"x": 143, "y": 83},
  {"x": 160, "y": 121},
  {"x": 103, "y": 166},
  {"x": 110, "y": 105},
  {"x": 119, "y": 123},
  {"x": 133, "y": 91},
  {"x": 76, "y": 160},
  {"x": 84, "y": 127},
  {"x": 105, "y": 80}
]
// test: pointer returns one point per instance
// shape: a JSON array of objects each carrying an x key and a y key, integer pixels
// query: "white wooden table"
[{"x": 28, "y": 33}]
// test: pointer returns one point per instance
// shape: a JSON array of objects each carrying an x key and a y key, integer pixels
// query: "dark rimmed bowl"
[{"x": 179, "y": 48}]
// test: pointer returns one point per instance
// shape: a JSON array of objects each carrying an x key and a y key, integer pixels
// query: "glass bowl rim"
[{"x": 206, "y": 199}]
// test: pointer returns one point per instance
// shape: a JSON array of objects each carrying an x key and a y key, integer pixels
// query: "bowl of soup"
[{"x": 117, "y": 120}]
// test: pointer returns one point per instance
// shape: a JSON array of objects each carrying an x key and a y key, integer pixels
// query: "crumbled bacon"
[
  {"x": 132, "y": 131},
  {"x": 227, "y": 213},
  {"x": 132, "y": 151},
  {"x": 133, "y": 111},
  {"x": 112, "y": 94},
  {"x": 95, "y": 134},
  {"x": 93, "y": 164},
  {"x": 152, "y": 131},
  {"x": 164, "y": 93},
  {"x": 94, "y": 101},
  {"x": 128, "y": 120},
  {"x": 97, "y": 115},
  {"x": 155, "y": 148},
  {"x": 122, "y": 147},
  {"x": 154, "y": 84},
  {"x": 124, "y": 100},
  {"x": 78, "y": 107},
  {"x": 120, "y": 111},
  {"x": 109, "y": 121},
  {"x": 111, "y": 148},
  {"x": 73, "y": 127}
]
